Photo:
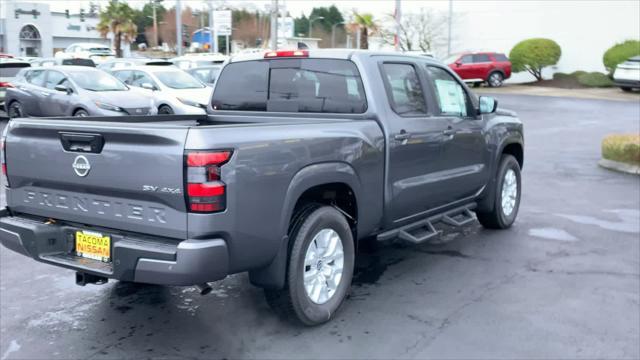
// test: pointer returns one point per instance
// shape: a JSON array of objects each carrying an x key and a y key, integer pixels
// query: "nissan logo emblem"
[{"x": 81, "y": 166}]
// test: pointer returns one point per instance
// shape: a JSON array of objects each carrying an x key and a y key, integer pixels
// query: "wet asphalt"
[{"x": 564, "y": 282}]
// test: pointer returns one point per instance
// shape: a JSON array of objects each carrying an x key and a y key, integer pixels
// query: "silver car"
[
  {"x": 174, "y": 91},
  {"x": 73, "y": 91}
]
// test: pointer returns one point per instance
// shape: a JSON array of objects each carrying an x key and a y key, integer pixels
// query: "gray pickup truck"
[{"x": 302, "y": 156}]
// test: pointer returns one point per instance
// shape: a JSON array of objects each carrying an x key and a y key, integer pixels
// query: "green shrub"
[
  {"x": 533, "y": 55},
  {"x": 620, "y": 53},
  {"x": 595, "y": 79},
  {"x": 623, "y": 148},
  {"x": 578, "y": 73}
]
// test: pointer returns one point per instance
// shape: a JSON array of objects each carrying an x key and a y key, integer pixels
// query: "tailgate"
[{"x": 118, "y": 175}]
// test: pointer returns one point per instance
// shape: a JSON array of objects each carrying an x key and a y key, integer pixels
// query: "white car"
[
  {"x": 195, "y": 60},
  {"x": 174, "y": 91},
  {"x": 98, "y": 53},
  {"x": 627, "y": 74}
]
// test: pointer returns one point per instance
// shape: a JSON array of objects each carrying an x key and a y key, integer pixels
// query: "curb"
[{"x": 619, "y": 166}]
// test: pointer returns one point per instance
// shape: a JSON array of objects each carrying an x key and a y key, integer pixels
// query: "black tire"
[
  {"x": 81, "y": 113},
  {"x": 477, "y": 84},
  {"x": 497, "y": 218},
  {"x": 626, "y": 89},
  {"x": 165, "y": 110},
  {"x": 15, "y": 110},
  {"x": 292, "y": 302},
  {"x": 495, "y": 79}
]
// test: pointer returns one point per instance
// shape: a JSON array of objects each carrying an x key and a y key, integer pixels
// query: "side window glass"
[
  {"x": 404, "y": 89},
  {"x": 467, "y": 59},
  {"x": 140, "y": 78},
  {"x": 123, "y": 76},
  {"x": 481, "y": 58},
  {"x": 53, "y": 78},
  {"x": 452, "y": 99},
  {"x": 35, "y": 77}
]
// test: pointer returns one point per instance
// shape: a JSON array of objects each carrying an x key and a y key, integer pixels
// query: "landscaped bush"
[
  {"x": 624, "y": 148},
  {"x": 620, "y": 53},
  {"x": 533, "y": 55},
  {"x": 595, "y": 79}
]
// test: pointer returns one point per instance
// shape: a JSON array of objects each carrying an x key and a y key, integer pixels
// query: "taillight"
[
  {"x": 205, "y": 190},
  {"x": 6, "y": 84},
  {"x": 3, "y": 156}
]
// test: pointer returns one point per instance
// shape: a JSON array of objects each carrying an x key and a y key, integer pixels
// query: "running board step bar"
[{"x": 423, "y": 230}]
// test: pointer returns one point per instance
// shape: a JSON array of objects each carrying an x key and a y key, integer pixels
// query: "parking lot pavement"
[
  {"x": 564, "y": 282},
  {"x": 612, "y": 93}
]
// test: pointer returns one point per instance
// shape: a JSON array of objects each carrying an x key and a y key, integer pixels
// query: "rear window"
[
  {"x": 11, "y": 69},
  {"x": 291, "y": 85},
  {"x": 501, "y": 57}
]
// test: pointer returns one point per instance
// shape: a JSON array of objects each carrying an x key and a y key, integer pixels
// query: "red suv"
[{"x": 492, "y": 68}]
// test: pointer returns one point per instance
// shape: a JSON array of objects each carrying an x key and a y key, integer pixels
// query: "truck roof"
[{"x": 330, "y": 54}]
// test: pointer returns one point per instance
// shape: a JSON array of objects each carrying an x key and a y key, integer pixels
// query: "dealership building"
[{"x": 32, "y": 29}]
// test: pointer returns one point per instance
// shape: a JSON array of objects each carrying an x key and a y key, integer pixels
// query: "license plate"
[{"x": 93, "y": 245}]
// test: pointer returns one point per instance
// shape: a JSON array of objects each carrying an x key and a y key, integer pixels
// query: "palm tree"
[
  {"x": 366, "y": 23},
  {"x": 118, "y": 20}
]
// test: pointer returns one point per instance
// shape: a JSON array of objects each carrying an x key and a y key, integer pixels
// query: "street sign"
[
  {"x": 222, "y": 22},
  {"x": 285, "y": 27}
]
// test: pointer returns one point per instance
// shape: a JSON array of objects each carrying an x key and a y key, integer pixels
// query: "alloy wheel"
[
  {"x": 323, "y": 266},
  {"x": 509, "y": 192}
]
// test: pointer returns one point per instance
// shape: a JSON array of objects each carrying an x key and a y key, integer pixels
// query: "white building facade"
[{"x": 31, "y": 29}]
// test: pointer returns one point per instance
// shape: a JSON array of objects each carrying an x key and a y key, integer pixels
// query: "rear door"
[
  {"x": 415, "y": 143},
  {"x": 481, "y": 66},
  {"x": 118, "y": 175}
]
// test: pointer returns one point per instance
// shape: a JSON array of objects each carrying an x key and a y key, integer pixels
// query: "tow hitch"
[{"x": 83, "y": 279}]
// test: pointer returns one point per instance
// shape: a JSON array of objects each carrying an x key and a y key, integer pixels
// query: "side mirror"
[
  {"x": 148, "y": 86},
  {"x": 63, "y": 88},
  {"x": 488, "y": 105},
  {"x": 458, "y": 63}
]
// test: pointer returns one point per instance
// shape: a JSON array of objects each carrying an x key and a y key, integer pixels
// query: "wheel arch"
[
  {"x": 335, "y": 184},
  {"x": 504, "y": 76},
  {"x": 512, "y": 145}
]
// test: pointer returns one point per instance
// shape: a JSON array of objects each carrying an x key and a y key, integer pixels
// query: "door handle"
[
  {"x": 403, "y": 135},
  {"x": 44, "y": 93}
]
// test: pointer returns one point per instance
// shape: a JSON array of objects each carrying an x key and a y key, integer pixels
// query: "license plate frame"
[{"x": 92, "y": 245}]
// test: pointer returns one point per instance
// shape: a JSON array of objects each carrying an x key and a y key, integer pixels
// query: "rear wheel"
[
  {"x": 81, "y": 113},
  {"x": 507, "y": 196},
  {"x": 165, "y": 110},
  {"x": 320, "y": 267},
  {"x": 626, "y": 89},
  {"x": 15, "y": 110},
  {"x": 495, "y": 79}
]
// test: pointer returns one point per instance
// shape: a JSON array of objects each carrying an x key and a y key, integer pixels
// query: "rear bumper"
[{"x": 136, "y": 258}]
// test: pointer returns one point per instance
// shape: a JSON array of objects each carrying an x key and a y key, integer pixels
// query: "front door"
[
  {"x": 415, "y": 145},
  {"x": 465, "y": 151},
  {"x": 54, "y": 100}
]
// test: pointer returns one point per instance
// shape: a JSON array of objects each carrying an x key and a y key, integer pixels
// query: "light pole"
[
  {"x": 333, "y": 33},
  {"x": 311, "y": 20},
  {"x": 179, "y": 28}
]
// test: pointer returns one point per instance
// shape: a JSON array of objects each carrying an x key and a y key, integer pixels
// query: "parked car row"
[{"x": 123, "y": 86}]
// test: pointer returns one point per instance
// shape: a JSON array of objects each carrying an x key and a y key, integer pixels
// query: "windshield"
[
  {"x": 178, "y": 80},
  {"x": 100, "y": 50},
  {"x": 97, "y": 81}
]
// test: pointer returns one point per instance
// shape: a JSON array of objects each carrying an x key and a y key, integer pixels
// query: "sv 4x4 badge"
[{"x": 166, "y": 190}]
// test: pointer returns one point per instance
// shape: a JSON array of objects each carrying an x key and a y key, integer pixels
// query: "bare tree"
[{"x": 423, "y": 31}]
